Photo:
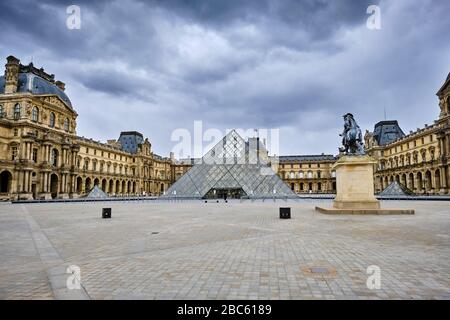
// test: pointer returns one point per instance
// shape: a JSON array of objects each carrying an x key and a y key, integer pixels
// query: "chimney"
[
  {"x": 61, "y": 85},
  {"x": 11, "y": 74}
]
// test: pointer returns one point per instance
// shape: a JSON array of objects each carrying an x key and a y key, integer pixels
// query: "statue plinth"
[
  {"x": 355, "y": 189},
  {"x": 354, "y": 183}
]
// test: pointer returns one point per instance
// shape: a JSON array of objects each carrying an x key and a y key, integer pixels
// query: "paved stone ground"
[{"x": 193, "y": 250}]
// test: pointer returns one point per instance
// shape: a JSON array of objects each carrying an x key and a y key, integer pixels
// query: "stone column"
[{"x": 26, "y": 181}]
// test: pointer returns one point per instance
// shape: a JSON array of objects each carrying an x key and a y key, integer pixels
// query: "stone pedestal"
[
  {"x": 355, "y": 188},
  {"x": 45, "y": 196},
  {"x": 354, "y": 183}
]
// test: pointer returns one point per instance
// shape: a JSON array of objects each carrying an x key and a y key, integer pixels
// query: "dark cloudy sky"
[{"x": 154, "y": 66}]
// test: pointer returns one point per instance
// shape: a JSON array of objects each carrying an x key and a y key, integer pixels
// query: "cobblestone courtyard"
[{"x": 194, "y": 250}]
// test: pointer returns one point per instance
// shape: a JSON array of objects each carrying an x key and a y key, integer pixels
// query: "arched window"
[
  {"x": 302, "y": 175},
  {"x": 66, "y": 125},
  {"x": 2, "y": 114},
  {"x": 52, "y": 120},
  {"x": 310, "y": 174},
  {"x": 292, "y": 175},
  {"x": 333, "y": 174},
  {"x": 17, "y": 112},
  {"x": 35, "y": 114},
  {"x": 54, "y": 158}
]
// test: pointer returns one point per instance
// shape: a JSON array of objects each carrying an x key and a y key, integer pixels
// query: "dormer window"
[
  {"x": 66, "y": 125},
  {"x": 52, "y": 120},
  {"x": 35, "y": 114},
  {"x": 17, "y": 112}
]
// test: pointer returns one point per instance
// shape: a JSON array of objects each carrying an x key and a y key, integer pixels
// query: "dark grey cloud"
[{"x": 154, "y": 66}]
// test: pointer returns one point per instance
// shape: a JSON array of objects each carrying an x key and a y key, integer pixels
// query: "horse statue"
[{"x": 351, "y": 137}]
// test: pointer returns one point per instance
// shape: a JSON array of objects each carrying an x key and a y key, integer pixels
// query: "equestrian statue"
[{"x": 351, "y": 137}]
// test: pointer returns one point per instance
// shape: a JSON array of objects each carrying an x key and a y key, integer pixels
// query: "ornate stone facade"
[
  {"x": 42, "y": 157},
  {"x": 419, "y": 160}
]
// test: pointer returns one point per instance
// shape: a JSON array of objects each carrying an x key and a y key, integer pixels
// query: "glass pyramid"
[
  {"x": 396, "y": 189},
  {"x": 233, "y": 168}
]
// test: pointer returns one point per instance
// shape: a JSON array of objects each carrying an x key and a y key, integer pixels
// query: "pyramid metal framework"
[
  {"x": 96, "y": 193},
  {"x": 232, "y": 163},
  {"x": 396, "y": 189}
]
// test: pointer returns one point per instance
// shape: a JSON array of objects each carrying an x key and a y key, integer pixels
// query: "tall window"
[
  {"x": 35, "y": 114},
  {"x": 54, "y": 158},
  {"x": 52, "y": 120},
  {"x": 17, "y": 112},
  {"x": 2, "y": 114},
  {"x": 66, "y": 125},
  {"x": 14, "y": 152},
  {"x": 35, "y": 153}
]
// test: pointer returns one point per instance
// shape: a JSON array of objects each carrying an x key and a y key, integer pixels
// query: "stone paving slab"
[{"x": 193, "y": 250}]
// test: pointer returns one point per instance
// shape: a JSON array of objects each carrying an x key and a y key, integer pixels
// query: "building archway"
[
  {"x": 79, "y": 187},
  {"x": 104, "y": 185},
  {"x": 5, "y": 182},
  {"x": 428, "y": 181},
  {"x": 411, "y": 181},
  {"x": 96, "y": 182},
  {"x": 111, "y": 186},
  {"x": 403, "y": 181},
  {"x": 117, "y": 187},
  {"x": 123, "y": 187},
  {"x": 437, "y": 180},
  {"x": 87, "y": 185},
  {"x": 419, "y": 182},
  {"x": 54, "y": 186}
]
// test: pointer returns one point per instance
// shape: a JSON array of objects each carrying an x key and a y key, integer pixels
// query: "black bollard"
[
  {"x": 106, "y": 213},
  {"x": 285, "y": 213}
]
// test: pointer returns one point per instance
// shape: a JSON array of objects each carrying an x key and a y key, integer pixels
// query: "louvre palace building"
[{"x": 42, "y": 157}]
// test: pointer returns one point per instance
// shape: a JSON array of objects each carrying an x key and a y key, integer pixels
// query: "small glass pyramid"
[
  {"x": 396, "y": 189},
  {"x": 233, "y": 168}
]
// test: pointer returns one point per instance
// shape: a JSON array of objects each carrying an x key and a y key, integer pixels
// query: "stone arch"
[
  {"x": 5, "y": 181},
  {"x": 419, "y": 181},
  {"x": 403, "y": 180},
  {"x": 87, "y": 184},
  {"x": 54, "y": 185},
  {"x": 437, "y": 180},
  {"x": 111, "y": 186},
  {"x": 123, "y": 187},
  {"x": 79, "y": 185},
  {"x": 104, "y": 185},
  {"x": 428, "y": 181},
  {"x": 117, "y": 186},
  {"x": 96, "y": 182},
  {"x": 411, "y": 184}
]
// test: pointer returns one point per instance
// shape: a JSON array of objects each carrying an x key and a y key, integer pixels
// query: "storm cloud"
[{"x": 155, "y": 66}]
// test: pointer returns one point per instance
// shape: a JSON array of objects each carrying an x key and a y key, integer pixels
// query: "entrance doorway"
[
  {"x": 220, "y": 193},
  {"x": 34, "y": 190},
  {"x": 5, "y": 182},
  {"x": 54, "y": 186}
]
